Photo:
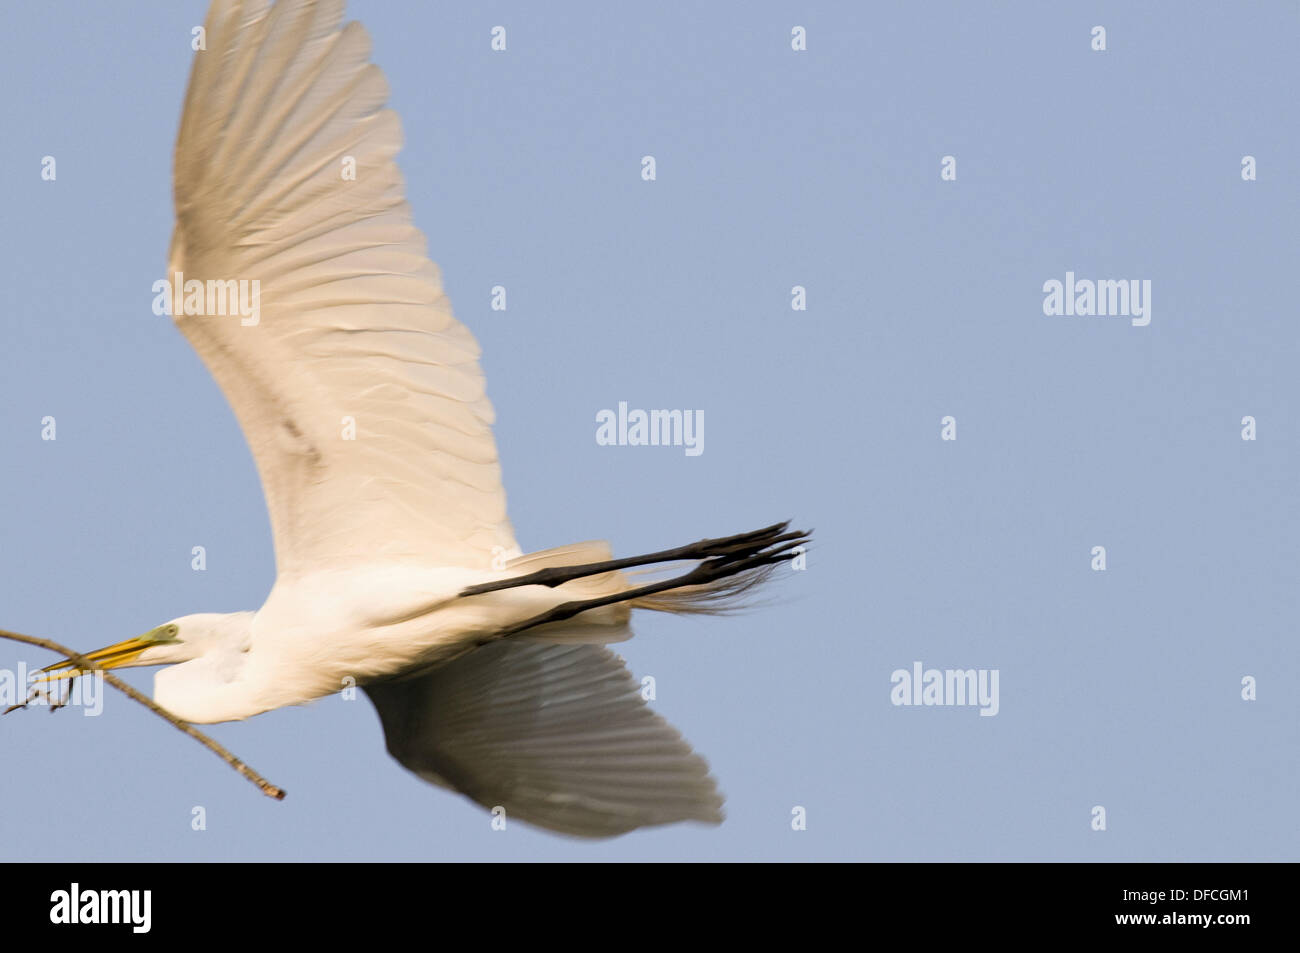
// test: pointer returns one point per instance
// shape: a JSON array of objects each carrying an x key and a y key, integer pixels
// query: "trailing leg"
[
  {"x": 726, "y": 549},
  {"x": 739, "y": 563}
]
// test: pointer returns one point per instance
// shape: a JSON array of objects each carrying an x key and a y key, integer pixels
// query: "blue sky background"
[{"x": 775, "y": 169}]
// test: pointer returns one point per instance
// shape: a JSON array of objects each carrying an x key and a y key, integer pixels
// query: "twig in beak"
[{"x": 265, "y": 786}]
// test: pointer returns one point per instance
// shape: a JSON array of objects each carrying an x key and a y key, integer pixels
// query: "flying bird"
[{"x": 397, "y": 567}]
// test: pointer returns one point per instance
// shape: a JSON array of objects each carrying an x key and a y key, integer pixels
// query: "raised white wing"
[{"x": 354, "y": 329}]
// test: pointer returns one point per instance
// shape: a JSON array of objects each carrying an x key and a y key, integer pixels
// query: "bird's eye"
[{"x": 172, "y": 630}]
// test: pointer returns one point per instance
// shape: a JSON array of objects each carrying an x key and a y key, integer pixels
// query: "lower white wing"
[
  {"x": 360, "y": 395},
  {"x": 557, "y": 735}
]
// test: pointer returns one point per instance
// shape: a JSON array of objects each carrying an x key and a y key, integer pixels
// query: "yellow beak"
[{"x": 110, "y": 657}]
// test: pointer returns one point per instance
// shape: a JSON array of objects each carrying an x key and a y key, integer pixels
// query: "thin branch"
[{"x": 85, "y": 664}]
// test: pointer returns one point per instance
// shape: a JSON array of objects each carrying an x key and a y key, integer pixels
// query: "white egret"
[{"x": 396, "y": 565}]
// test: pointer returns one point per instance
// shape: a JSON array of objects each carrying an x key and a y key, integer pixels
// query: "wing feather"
[
  {"x": 353, "y": 323},
  {"x": 557, "y": 734}
]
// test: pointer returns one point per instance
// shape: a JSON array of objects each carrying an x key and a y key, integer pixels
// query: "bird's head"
[{"x": 177, "y": 641}]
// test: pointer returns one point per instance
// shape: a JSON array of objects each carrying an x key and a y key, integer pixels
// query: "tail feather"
[
  {"x": 724, "y": 596},
  {"x": 598, "y": 626}
]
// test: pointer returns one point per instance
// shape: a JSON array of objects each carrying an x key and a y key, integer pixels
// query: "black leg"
[
  {"x": 780, "y": 548},
  {"x": 727, "y": 549}
]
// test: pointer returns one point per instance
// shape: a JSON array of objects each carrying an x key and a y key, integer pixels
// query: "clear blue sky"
[{"x": 1119, "y": 688}]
